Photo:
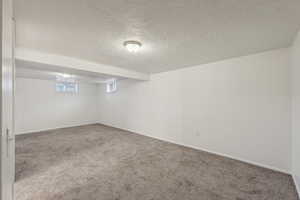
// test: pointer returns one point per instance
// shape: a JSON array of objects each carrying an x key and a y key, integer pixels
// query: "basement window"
[
  {"x": 66, "y": 87},
  {"x": 66, "y": 84},
  {"x": 111, "y": 86}
]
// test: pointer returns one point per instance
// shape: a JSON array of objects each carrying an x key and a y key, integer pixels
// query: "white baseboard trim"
[
  {"x": 297, "y": 185},
  {"x": 239, "y": 159},
  {"x": 53, "y": 128},
  {"x": 206, "y": 150}
]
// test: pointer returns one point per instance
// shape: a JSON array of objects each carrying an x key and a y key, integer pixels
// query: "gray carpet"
[{"x": 98, "y": 162}]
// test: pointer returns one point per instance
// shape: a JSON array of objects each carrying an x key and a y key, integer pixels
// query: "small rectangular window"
[
  {"x": 66, "y": 83},
  {"x": 111, "y": 86},
  {"x": 66, "y": 87}
]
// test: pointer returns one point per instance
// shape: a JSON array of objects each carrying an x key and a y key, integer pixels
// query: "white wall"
[
  {"x": 295, "y": 50},
  {"x": 40, "y": 107},
  {"x": 238, "y": 107}
]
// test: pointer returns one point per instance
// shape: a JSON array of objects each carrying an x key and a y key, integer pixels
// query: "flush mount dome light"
[{"x": 132, "y": 46}]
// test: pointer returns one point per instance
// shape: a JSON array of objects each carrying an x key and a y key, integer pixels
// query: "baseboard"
[
  {"x": 297, "y": 184},
  {"x": 53, "y": 128},
  {"x": 239, "y": 159},
  {"x": 203, "y": 149}
]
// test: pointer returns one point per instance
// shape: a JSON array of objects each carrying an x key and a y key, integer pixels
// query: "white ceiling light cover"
[{"x": 132, "y": 46}]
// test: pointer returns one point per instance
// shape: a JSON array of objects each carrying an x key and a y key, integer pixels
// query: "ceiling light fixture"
[{"x": 132, "y": 46}]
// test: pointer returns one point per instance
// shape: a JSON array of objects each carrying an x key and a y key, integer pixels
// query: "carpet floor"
[{"x": 96, "y": 162}]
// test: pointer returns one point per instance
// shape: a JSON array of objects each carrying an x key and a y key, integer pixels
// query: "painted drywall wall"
[
  {"x": 40, "y": 107},
  {"x": 295, "y": 58},
  {"x": 238, "y": 107}
]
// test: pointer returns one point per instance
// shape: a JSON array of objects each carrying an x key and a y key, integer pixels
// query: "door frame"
[{"x": 7, "y": 139}]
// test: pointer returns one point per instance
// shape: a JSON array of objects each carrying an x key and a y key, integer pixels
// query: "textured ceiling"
[{"x": 174, "y": 33}]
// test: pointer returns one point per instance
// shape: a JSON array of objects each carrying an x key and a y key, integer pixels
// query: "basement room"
[{"x": 150, "y": 100}]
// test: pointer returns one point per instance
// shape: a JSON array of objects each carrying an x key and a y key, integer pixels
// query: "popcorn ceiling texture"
[
  {"x": 174, "y": 33},
  {"x": 98, "y": 162}
]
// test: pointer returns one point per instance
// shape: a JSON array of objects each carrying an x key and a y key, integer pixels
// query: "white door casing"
[{"x": 7, "y": 102}]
